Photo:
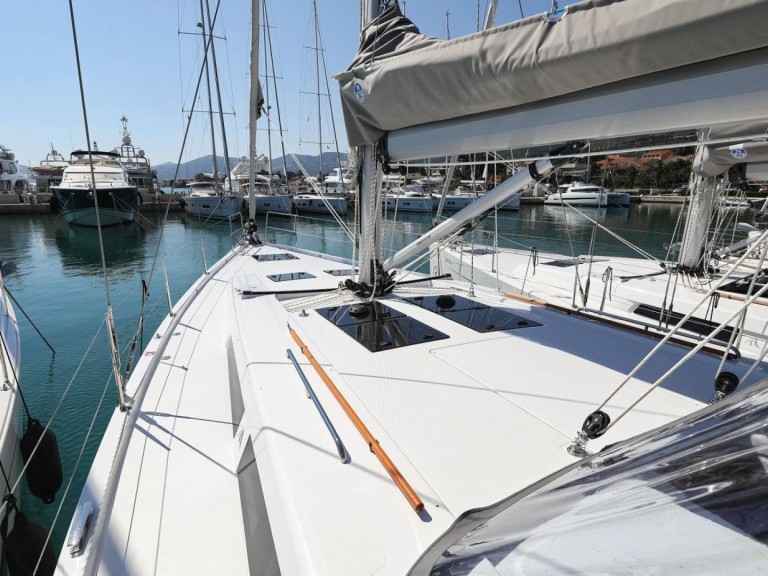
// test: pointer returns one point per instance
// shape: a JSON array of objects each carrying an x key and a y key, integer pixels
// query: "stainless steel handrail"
[{"x": 311, "y": 394}]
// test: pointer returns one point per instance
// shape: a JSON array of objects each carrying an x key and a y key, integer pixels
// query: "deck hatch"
[
  {"x": 273, "y": 257},
  {"x": 693, "y": 324},
  {"x": 568, "y": 262},
  {"x": 342, "y": 272},
  {"x": 289, "y": 276},
  {"x": 472, "y": 314},
  {"x": 379, "y": 327}
]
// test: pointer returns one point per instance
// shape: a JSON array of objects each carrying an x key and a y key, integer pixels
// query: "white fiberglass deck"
[
  {"x": 468, "y": 420},
  {"x": 634, "y": 282}
]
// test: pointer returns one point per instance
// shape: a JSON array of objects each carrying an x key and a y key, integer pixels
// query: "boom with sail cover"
[{"x": 608, "y": 68}]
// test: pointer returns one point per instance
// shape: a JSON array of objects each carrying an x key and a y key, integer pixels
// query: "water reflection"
[{"x": 80, "y": 253}]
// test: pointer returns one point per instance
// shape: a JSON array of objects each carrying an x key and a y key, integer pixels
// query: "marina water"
[{"x": 60, "y": 285}]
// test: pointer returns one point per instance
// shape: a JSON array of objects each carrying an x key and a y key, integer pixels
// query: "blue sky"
[{"x": 135, "y": 63}]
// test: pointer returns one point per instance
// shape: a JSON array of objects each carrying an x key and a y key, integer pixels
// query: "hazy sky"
[{"x": 136, "y": 63}]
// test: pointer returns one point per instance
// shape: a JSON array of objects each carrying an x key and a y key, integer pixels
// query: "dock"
[{"x": 13, "y": 204}]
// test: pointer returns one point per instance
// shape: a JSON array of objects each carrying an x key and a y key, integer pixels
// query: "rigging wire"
[
  {"x": 110, "y": 321},
  {"x": 313, "y": 184}
]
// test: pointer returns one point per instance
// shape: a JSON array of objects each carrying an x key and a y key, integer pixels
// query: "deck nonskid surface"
[
  {"x": 468, "y": 420},
  {"x": 178, "y": 485}
]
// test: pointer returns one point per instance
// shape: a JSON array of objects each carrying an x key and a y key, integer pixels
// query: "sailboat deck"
[
  {"x": 468, "y": 420},
  {"x": 635, "y": 282}
]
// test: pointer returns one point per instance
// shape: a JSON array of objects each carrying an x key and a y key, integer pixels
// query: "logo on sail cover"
[
  {"x": 738, "y": 151},
  {"x": 359, "y": 92}
]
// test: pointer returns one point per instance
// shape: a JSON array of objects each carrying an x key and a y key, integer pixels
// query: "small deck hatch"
[
  {"x": 342, "y": 272},
  {"x": 273, "y": 257},
  {"x": 568, "y": 262},
  {"x": 379, "y": 327},
  {"x": 472, "y": 314},
  {"x": 289, "y": 276}
]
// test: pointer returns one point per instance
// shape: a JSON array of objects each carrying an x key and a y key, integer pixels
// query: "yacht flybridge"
[{"x": 300, "y": 413}]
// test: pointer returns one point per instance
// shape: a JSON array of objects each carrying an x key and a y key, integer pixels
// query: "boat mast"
[
  {"x": 277, "y": 98},
  {"x": 703, "y": 191},
  {"x": 218, "y": 98},
  {"x": 253, "y": 108},
  {"x": 369, "y": 242},
  {"x": 317, "y": 68},
  {"x": 201, "y": 25},
  {"x": 266, "y": 92}
]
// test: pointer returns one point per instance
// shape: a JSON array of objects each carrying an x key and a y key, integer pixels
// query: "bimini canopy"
[{"x": 607, "y": 68}]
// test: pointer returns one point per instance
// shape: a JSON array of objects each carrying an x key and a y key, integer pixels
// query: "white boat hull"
[
  {"x": 453, "y": 202},
  {"x": 319, "y": 205},
  {"x": 276, "y": 204},
  {"x": 407, "y": 204},
  {"x": 214, "y": 207},
  {"x": 584, "y": 200}
]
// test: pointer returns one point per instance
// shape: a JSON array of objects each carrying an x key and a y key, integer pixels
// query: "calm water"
[{"x": 59, "y": 283}]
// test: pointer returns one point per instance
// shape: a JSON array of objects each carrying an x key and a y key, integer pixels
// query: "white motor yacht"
[
  {"x": 340, "y": 180},
  {"x": 49, "y": 172},
  {"x": 578, "y": 194},
  {"x": 116, "y": 199},
  {"x": 12, "y": 180},
  {"x": 136, "y": 163}
]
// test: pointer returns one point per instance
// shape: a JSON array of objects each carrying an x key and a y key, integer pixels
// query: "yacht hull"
[
  {"x": 319, "y": 205},
  {"x": 213, "y": 207},
  {"x": 593, "y": 200},
  {"x": 116, "y": 205},
  {"x": 273, "y": 203},
  {"x": 408, "y": 204}
]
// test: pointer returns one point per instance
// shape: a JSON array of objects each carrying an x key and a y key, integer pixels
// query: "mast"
[
  {"x": 317, "y": 67},
  {"x": 266, "y": 91},
  {"x": 201, "y": 24},
  {"x": 253, "y": 108},
  {"x": 277, "y": 98},
  {"x": 368, "y": 223},
  {"x": 218, "y": 98}
]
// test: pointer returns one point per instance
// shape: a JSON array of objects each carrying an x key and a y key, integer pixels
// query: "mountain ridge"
[{"x": 187, "y": 170}]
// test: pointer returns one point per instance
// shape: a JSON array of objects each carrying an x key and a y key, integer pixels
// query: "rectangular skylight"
[
  {"x": 472, "y": 314},
  {"x": 379, "y": 327},
  {"x": 289, "y": 276},
  {"x": 273, "y": 257}
]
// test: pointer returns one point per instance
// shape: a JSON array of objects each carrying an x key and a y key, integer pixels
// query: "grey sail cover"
[{"x": 402, "y": 78}]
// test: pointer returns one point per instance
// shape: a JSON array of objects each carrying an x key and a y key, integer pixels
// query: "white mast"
[
  {"x": 369, "y": 228},
  {"x": 253, "y": 107}
]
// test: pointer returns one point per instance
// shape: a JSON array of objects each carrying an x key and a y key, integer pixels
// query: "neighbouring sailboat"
[
  {"x": 319, "y": 199},
  {"x": 208, "y": 198},
  {"x": 296, "y": 426}
]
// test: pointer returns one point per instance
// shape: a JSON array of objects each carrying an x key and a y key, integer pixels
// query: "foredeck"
[{"x": 468, "y": 420}]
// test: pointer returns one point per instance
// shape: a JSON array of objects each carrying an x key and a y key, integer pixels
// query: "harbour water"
[{"x": 60, "y": 285}]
